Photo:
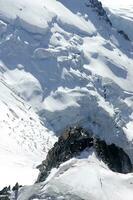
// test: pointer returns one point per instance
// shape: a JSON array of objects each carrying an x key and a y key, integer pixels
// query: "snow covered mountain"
[
  {"x": 121, "y": 15},
  {"x": 64, "y": 63},
  {"x": 23, "y": 143}
]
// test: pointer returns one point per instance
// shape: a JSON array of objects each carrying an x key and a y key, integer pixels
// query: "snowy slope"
[
  {"x": 22, "y": 139},
  {"x": 121, "y": 15},
  {"x": 70, "y": 67},
  {"x": 65, "y": 65},
  {"x": 95, "y": 181},
  {"x": 37, "y": 16}
]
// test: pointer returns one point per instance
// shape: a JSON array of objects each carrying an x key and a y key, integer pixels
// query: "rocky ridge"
[{"x": 73, "y": 141}]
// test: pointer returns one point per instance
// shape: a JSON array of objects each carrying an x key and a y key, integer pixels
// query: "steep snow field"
[
  {"x": 61, "y": 64},
  {"x": 24, "y": 141},
  {"x": 121, "y": 15}
]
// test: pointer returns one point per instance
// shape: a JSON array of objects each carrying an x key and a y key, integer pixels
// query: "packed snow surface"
[
  {"x": 121, "y": 15},
  {"x": 82, "y": 179},
  {"x": 61, "y": 64},
  {"x": 24, "y": 142}
]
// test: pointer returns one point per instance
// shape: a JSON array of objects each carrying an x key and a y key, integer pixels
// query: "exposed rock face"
[
  {"x": 75, "y": 140},
  {"x": 116, "y": 159},
  {"x": 5, "y": 193},
  {"x": 8, "y": 193},
  {"x": 72, "y": 142}
]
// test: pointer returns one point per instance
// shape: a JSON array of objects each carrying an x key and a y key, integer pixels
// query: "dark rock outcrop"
[
  {"x": 75, "y": 140},
  {"x": 5, "y": 193},
  {"x": 72, "y": 142},
  {"x": 8, "y": 193},
  {"x": 116, "y": 159},
  {"x": 124, "y": 35}
]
